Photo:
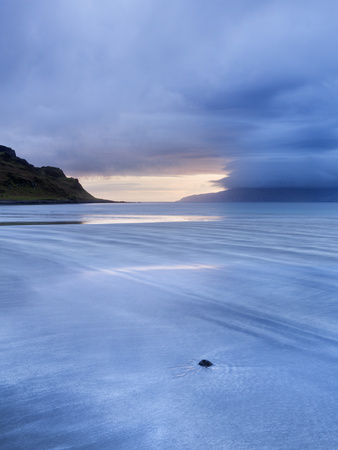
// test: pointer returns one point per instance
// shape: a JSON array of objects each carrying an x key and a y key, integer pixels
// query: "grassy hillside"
[{"x": 21, "y": 181}]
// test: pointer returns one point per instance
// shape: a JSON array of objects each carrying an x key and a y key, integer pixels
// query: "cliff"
[{"x": 21, "y": 182}]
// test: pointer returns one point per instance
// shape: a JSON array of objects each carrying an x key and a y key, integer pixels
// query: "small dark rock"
[{"x": 205, "y": 363}]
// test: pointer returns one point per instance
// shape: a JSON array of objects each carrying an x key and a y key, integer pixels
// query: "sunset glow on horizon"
[{"x": 150, "y": 189}]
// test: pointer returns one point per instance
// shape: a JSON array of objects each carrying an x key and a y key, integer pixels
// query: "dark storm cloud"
[
  {"x": 187, "y": 86},
  {"x": 319, "y": 171}
]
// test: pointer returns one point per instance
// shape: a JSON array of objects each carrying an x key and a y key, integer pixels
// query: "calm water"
[
  {"x": 159, "y": 212},
  {"x": 106, "y": 310}
]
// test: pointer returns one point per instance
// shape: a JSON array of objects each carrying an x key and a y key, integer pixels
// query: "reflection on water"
[
  {"x": 147, "y": 219},
  {"x": 113, "y": 219},
  {"x": 159, "y": 267}
]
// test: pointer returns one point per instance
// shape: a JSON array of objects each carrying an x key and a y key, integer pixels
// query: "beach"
[{"x": 106, "y": 311}]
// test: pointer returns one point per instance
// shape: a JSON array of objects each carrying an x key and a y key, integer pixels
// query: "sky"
[{"x": 150, "y": 100}]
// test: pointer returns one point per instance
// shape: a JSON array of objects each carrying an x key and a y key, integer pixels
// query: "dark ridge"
[
  {"x": 268, "y": 195},
  {"x": 8, "y": 150},
  {"x": 23, "y": 183}
]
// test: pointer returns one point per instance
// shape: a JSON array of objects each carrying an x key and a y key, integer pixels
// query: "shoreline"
[{"x": 54, "y": 202}]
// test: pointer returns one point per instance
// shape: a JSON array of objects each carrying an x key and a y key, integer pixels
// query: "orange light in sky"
[{"x": 150, "y": 189}]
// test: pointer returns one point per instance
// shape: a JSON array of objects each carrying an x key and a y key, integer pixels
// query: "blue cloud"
[{"x": 151, "y": 87}]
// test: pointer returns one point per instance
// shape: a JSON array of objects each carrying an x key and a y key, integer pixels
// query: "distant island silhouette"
[
  {"x": 23, "y": 183},
  {"x": 286, "y": 194}
]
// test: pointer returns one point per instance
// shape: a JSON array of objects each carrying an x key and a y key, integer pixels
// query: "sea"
[{"x": 106, "y": 311}]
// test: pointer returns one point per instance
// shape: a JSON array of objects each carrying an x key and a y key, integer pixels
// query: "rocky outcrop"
[
  {"x": 22, "y": 182},
  {"x": 7, "y": 150}
]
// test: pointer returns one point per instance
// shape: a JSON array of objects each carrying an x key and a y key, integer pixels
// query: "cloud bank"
[{"x": 152, "y": 87}]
